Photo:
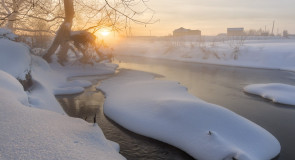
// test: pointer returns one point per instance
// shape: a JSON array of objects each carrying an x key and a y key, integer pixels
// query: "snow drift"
[
  {"x": 30, "y": 127},
  {"x": 276, "y": 92},
  {"x": 15, "y": 58},
  {"x": 165, "y": 111},
  {"x": 29, "y": 133}
]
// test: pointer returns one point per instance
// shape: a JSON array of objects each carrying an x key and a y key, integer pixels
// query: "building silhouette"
[
  {"x": 235, "y": 31},
  {"x": 186, "y": 32}
]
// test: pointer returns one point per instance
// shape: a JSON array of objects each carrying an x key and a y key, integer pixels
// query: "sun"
[{"x": 104, "y": 32}]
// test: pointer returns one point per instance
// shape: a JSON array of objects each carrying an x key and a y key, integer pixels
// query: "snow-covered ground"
[
  {"x": 272, "y": 53},
  {"x": 33, "y": 125},
  {"x": 165, "y": 111},
  {"x": 30, "y": 133},
  {"x": 276, "y": 92}
]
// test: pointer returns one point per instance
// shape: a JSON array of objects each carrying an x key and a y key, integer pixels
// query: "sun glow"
[{"x": 104, "y": 32}]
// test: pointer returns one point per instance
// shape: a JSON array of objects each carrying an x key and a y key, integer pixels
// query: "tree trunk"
[
  {"x": 63, "y": 34},
  {"x": 62, "y": 53},
  {"x": 10, "y": 22}
]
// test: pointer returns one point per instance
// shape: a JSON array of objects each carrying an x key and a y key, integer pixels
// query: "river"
[
  {"x": 216, "y": 84},
  {"x": 223, "y": 85}
]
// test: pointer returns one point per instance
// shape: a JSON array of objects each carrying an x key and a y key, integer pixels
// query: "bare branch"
[
  {"x": 131, "y": 18},
  {"x": 5, "y": 7},
  {"x": 34, "y": 30},
  {"x": 46, "y": 20}
]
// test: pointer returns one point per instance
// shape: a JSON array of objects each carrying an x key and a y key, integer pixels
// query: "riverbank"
[
  {"x": 31, "y": 133},
  {"x": 33, "y": 124},
  {"x": 266, "y": 53}
]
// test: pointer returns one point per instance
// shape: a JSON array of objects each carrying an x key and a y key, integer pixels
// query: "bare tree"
[
  {"x": 118, "y": 14},
  {"x": 92, "y": 15},
  {"x": 16, "y": 15}
]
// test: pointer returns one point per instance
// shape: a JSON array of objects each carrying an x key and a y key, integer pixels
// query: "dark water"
[
  {"x": 132, "y": 146},
  {"x": 224, "y": 86}
]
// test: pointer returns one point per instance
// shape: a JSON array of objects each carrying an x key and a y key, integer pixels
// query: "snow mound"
[
  {"x": 48, "y": 83},
  {"x": 12, "y": 87},
  {"x": 276, "y": 92},
  {"x": 165, "y": 111},
  {"x": 7, "y": 34},
  {"x": 29, "y": 133},
  {"x": 14, "y": 58},
  {"x": 75, "y": 68},
  {"x": 72, "y": 87},
  {"x": 68, "y": 90},
  {"x": 52, "y": 79},
  {"x": 81, "y": 83},
  {"x": 38, "y": 51}
]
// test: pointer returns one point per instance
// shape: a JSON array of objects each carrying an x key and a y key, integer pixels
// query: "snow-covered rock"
[
  {"x": 276, "y": 92},
  {"x": 165, "y": 111}
]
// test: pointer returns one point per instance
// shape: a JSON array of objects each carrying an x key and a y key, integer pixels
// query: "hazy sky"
[{"x": 214, "y": 16}]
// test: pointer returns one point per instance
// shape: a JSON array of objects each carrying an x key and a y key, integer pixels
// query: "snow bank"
[
  {"x": 264, "y": 53},
  {"x": 47, "y": 83},
  {"x": 29, "y": 133},
  {"x": 14, "y": 58},
  {"x": 7, "y": 34},
  {"x": 165, "y": 111},
  {"x": 276, "y": 92},
  {"x": 12, "y": 87},
  {"x": 50, "y": 80},
  {"x": 73, "y": 69}
]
